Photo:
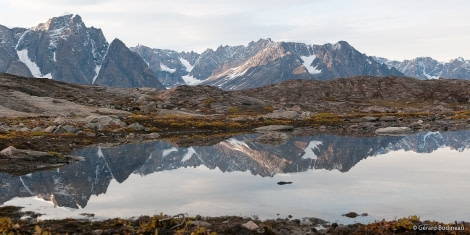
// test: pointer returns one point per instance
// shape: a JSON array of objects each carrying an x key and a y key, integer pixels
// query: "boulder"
[
  {"x": 66, "y": 129},
  {"x": 369, "y": 119},
  {"x": 250, "y": 225},
  {"x": 394, "y": 130},
  {"x": 102, "y": 122},
  {"x": 278, "y": 114},
  {"x": 50, "y": 129},
  {"x": 148, "y": 108},
  {"x": 136, "y": 126}
]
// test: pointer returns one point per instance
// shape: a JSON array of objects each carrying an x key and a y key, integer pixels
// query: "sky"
[{"x": 399, "y": 29}]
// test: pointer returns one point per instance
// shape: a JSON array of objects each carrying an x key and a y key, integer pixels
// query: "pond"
[{"x": 425, "y": 174}]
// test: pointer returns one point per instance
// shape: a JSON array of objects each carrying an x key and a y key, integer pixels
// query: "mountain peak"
[{"x": 60, "y": 22}]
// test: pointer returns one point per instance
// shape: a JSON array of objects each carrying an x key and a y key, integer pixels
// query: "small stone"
[
  {"x": 136, "y": 126},
  {"x": 38, "y": 128},
  {"x": 351, "y": 215},
  {"x": 59, "y": 120},
  {"x": 388, "y": 118},
  {"x": 369, "y": 119},
  {"x": 50, "y": 129},
  {"x": 250, "y": 225}
]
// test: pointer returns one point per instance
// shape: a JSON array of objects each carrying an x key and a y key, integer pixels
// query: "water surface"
[{"x": 425, "y": 174}]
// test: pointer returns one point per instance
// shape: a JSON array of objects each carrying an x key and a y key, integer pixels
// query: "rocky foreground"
[
  {"x": 50, "y": 118},
  {"x": 14, "y": 221}
]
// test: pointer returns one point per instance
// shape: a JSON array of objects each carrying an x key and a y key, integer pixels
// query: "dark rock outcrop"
[{"x": 124, "y": 68}]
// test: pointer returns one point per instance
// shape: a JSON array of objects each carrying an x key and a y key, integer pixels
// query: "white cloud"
[{"x": 398, "y": 30}]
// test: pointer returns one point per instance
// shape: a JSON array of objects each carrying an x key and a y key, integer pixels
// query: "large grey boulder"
[
  {"x": 393, "y": 130},
  {"x": 103, "y": 122}
]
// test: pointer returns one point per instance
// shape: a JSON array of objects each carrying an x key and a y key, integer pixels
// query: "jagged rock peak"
[{"x": 55, "y": 23}]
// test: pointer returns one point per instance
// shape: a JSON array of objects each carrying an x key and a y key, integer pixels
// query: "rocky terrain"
[
  {"x": 46, "y": 115},
  {"x": 45, "y": 120}
]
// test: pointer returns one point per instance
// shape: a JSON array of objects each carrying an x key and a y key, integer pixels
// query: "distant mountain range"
[
  {"x": 64, "y": 49},
  {"x": 429, "y": 68},
  {"x": 261, "y": 63}
]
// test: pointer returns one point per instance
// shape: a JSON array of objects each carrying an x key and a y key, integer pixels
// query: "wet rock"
[
  {"x": 250, "y": 225},
  {"x": 393, "y": 131},
  {"x": 274, "y": 128},
  {"x": 351, "y": 215}
]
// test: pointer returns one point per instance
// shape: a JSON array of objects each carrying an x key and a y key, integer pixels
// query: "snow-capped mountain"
[
  {"x": 64, "y": 49},
  {"x": 261, "y": 63},
  {"x": 429, "y": 68}
]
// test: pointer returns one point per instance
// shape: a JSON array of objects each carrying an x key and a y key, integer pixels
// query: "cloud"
[{"x": 399, "y": 29}]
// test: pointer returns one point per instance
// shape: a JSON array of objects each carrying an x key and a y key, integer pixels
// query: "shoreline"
[{"x": 15, "y": 221}]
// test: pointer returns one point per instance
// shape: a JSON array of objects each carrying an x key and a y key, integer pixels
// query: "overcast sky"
[{"x": 399, "y": 29}]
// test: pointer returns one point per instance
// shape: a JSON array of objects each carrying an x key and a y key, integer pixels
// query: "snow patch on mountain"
[
  {"x": 237, "y": 145},
  {"x": 307, "y": 62},
  {"x": 186, "y": 64},
  {"x": 166, "y": 68},
  {"x": 189, "y": 154},
  {"x": 32, "y": 66},
  {"x": 236, "y": 72},
  {"x": 191, "y": 80},
  {"x": 97, "y": 72},
  {"x": 166, "y": 152},
  {"x": 308, "y": 152}
]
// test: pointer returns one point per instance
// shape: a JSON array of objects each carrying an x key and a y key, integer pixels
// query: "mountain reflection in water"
[{"x": 106, "y": 169}]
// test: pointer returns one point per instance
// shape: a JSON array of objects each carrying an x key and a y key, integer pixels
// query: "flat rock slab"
[
  {"x": 20, "y": 161},
  {"x": 402, "y": 130},
  {"x": 271, "y": 128}
]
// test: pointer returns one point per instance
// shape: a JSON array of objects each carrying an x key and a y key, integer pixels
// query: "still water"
[{"x": 425, "y": 174}]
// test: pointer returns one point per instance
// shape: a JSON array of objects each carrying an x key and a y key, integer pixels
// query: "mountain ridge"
[
  {"x": 264, "y": 62},
  {"x": 65, "y": 49}
]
